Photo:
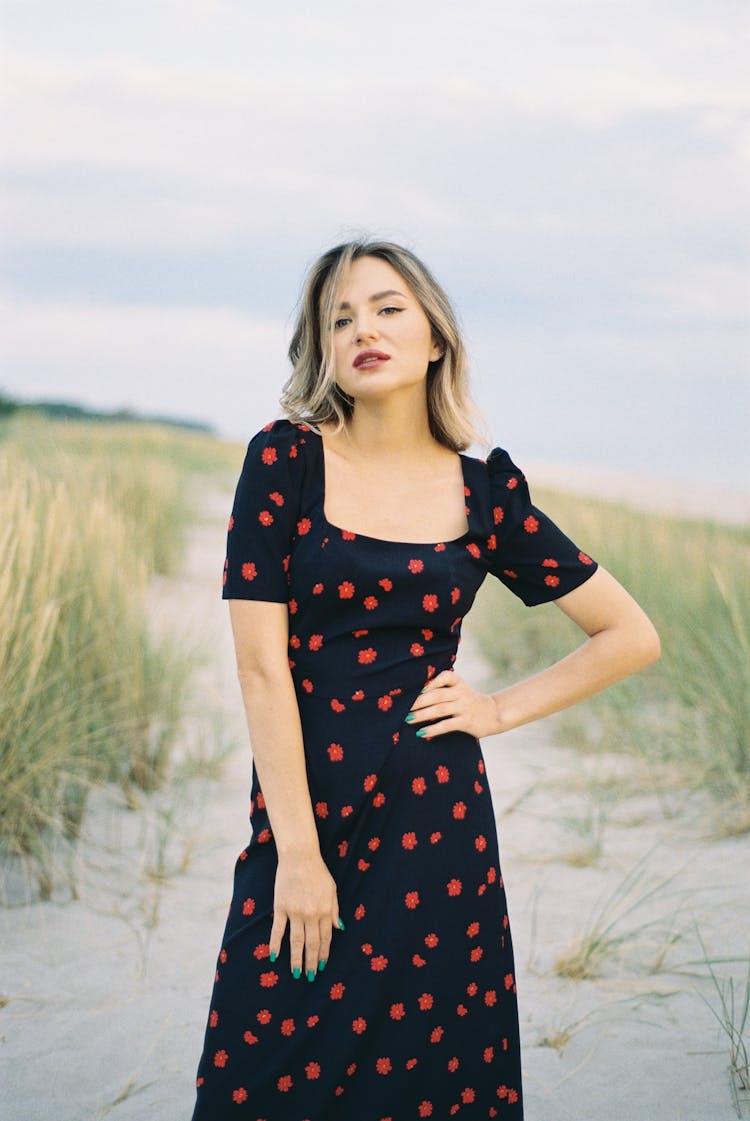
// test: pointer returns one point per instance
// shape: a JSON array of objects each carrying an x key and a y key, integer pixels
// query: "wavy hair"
[{"x": 311, "y": 394}]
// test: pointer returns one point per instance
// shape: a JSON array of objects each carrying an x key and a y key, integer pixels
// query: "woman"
[{"x": 366, "y": 971}]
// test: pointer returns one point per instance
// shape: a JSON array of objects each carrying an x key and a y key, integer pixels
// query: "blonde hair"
[{"x": 312, "y": 396}]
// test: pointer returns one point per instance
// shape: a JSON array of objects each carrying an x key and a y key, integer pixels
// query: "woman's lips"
[{"x": 370, "y": 358}]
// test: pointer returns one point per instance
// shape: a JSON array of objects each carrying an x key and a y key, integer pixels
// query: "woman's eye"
[
  {"x": 339, "y": 323},
  {"x": 390, "y": 309}
]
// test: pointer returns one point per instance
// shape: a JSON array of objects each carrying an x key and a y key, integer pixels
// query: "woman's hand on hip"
[
  {"x": 305, "y": 897},
  {"x": 451, "y": 705}
]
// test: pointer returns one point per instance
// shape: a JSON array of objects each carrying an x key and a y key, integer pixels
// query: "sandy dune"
[{"x": 107, "y": 994}]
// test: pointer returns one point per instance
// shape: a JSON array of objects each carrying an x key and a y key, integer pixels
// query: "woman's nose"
[{"x": 365, "y": 328}]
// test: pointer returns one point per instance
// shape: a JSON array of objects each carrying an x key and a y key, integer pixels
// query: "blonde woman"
[{"x": 366, "y": 971}]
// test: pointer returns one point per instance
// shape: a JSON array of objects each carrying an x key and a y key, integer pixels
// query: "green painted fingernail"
[
  {"x": 311, "y": 974},
  {"x": 322, "y": 964},
  {"x": 273, "y": 955},
  {"x": 341, "y": 924},
  {"x": 422, "y": 733},
  {"x": 409, "y": 717},
  {"x": 297, "y": 973}
]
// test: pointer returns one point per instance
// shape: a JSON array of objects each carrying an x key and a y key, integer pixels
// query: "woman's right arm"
[{"x": 305, "y": 894}]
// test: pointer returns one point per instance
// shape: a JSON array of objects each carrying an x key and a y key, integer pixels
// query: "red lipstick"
[{"x": 370, "y": 358}]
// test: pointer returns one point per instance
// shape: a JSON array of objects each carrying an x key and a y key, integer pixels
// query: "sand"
[{"x": 107, "y": 993}]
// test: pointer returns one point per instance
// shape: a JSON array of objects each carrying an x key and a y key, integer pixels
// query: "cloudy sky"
[{"x": 576, "y": 173}]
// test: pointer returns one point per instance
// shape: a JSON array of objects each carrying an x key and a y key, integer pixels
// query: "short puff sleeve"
[
  {"x": 532, "y": 556},
  {"x": 263, "y": 524}
]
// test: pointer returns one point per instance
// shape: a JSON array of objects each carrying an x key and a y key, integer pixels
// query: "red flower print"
[
  {"x": 347, "y": 535},
  {"x": 287, "y": 1026},
  {"x": 312, "y": 1021},
  {"x": 359, "y": 1025},
  {"x": 369, "y": 782},
  {"x": 294, "y": 641},
  {"x": 411, "y": 899},
  {"x": 431, "y": 940},
  {"x": 459, "y": 810},
  {"x": 531, "y": 524},
  {"x": 276, "y": 498},
  {"x": 261, "y": 951},
  {"x": 474, "y": 549},
  {"x": 337, "y": 990},
  {"x": 425, "y": 1109},
  {"x": 491, "y": 875},
  {"x": 362, "y": 864},
  {"x": 498, "y": 514},
  {"x": 490, "y": 997},
  {"x": 425, "y": 1002},
  {"x": 472, "y": 929},
  {"x": 213, "y": 1019},
  {"x": 467, "y": 1095},
  {"x": 240, "y": 1094},
  {"x": 462, "y": 1010},
  {"x": 488, "y": 1054},
  {"x": 384, "y": 703},
  {"x": 337, "y": 706},
  {"x": 512, "y": 483},
  {"x": 584, "y": 558},
  {"x": 386, "y": 584},
  {"x": 430, "y": 602},
  {"x": 409, "y": 1064},
  {"x": 455, "y": 595},
  {"x": 379, "y": 963},
  {"x": 415, "y": 565},
  {"x": 220, "y": 1059},
  {"x": 370, "y": 602},
  {"x": 250, "y": 1037},
  {"x": 346, "y": 590},
  {"x": 268, "y": 455},
  {"x": 435, "y": 837},
  {"x": 231, "y": 522},
  {"x": 358, "y": 695},
  {"x": 359, "y": 911},
  {"x": 379, "y": 799},
  {"x": 315, "y": 641},
  {"x": 409, "y": 840},
  {"x": 265, "y": 517},
  {"x": 416, "y": 649},
  {"x": 248, "y": 907},
  {"x": 418, "y": 960},
  {"x": 249, "y": 571},
  {"x": 397, "y": 1011},
  {"x": 321, "y": 809},
  {"x": 476, "y": 954},
  {"x": 264, "y": 836},
  {"x": 453, "y": 1064},
  {"x": 343, "y": 848},
  {"x": 264, "y": 1016},
  {"x": 304, "y": 525},
  {"x": 373, "y": 844},
  {"x": 222, "y": 956},
  {"x": 383, "y": 1066},
  {"x": 552, "y": 581},
  {"x": 307, "y": 685},
  {"x": 492, "y": 542},
  {"x": 480, "y": 842},
  {"x": 436, "y": 1035},
  {"x": 317, "y": 589},
  {"x": 454, "y": 887},
  {"x": 293, "y": 606},
  {"x": 512, "y": 1097},
  {"x": 351, "y": 1069},
  {"x": 440, "y": 547},
  {"x": 471, "y": 988},
  {"x": 549, "y": 562},
  {"x": 508, "y": 981},
  {"x": 442, "y": 774},
  {"x": 367, "y": 656},
  {"x": 478, "y": 787},
  {"x": 284, "y": 1083},
  {"x": 418, "y": 785},
  {"x": 312, "y": 1070},
  {"x": 335, "y": 752},
  {"x": 268, "y": 980}
]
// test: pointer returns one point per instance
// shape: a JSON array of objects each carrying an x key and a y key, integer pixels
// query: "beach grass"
[
  {"x": 690, "y": 712},
  {"x": 89, "y": 513}
]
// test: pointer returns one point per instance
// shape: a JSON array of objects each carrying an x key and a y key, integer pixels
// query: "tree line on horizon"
[{"x": 68, "y": 410}]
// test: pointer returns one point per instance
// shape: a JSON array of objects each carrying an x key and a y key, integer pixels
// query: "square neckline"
[{"x": 385, "y": 540}]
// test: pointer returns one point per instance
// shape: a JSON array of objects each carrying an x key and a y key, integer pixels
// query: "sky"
[{"x": 575, "y": 173}]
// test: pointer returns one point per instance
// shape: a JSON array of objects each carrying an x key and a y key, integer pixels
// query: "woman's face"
[{"x": 382, "y": 338}]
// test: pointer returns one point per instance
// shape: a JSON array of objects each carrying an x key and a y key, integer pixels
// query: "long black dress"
[{"x": 415, "y": 1014}]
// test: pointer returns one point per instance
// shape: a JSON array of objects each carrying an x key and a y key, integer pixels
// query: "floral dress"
[{"x": 415, "y": 1014}]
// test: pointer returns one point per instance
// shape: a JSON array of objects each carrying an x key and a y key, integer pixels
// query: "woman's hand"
[
  {"x": 454, "y": 707},
  {"x": 305, "y": 896}
]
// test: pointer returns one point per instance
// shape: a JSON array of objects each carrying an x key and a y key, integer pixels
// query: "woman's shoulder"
[
  {"x": 280, "y": 438},
  {"x": 498, "y": 466}
]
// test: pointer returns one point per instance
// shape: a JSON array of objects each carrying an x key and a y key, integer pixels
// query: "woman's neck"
[{"x": 385, "y": 429}]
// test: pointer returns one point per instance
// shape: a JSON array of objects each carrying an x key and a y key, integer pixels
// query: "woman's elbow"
[{"x": 646, "y": 646}]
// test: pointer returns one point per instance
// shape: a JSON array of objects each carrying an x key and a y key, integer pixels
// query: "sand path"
[{"x": 108, "y": 993}]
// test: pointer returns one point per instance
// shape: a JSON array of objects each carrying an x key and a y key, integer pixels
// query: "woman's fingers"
[
  {"x": 296, "y": 944},
  {"x": 277, "y": 933}
]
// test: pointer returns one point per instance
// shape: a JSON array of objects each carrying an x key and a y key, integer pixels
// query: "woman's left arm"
[{"x": 621, "y": 640}]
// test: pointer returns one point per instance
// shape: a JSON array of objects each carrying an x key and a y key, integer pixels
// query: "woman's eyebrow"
[{"x": 377, "y": 296}]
